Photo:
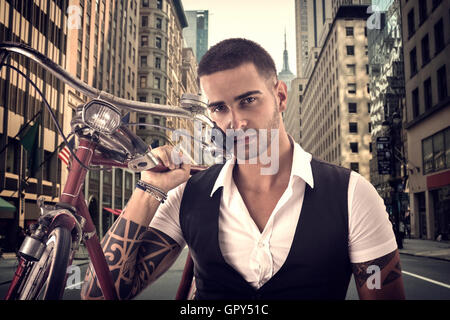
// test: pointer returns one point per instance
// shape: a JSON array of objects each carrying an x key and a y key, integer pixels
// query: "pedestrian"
[
  {"x": 401, "y": 231},
  {"x": 294, "y": 228}
]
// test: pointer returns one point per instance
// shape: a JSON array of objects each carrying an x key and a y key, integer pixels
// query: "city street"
[{"x": 424, "y": 279}]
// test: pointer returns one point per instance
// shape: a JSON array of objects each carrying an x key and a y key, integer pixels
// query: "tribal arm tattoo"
[
  {"x": 136, "y": 255},
  {"x": 380, "y": 278}
]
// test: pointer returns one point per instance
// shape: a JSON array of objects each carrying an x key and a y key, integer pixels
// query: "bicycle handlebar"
[{"x": 130, "y": 105}]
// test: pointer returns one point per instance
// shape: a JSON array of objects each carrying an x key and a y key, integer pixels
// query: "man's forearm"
[{"x": 121, "y": 247}]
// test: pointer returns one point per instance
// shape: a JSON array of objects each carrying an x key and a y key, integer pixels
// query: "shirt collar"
[{"x": 301, "y": 167}]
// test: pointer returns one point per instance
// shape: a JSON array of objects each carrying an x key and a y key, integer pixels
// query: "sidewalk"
[{"x": 426, "y": 248}]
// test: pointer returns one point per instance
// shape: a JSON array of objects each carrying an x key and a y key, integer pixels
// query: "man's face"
[{"x": 242, "y": 100}]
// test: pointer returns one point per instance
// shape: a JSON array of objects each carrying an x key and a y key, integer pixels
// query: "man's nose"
[{"x": 237, "y": 121}]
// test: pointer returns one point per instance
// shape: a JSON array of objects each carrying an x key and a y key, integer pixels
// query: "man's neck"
[{"x": 248, "y": 176}]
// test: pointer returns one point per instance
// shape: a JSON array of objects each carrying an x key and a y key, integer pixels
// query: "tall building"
[
  {"x": 103, "y": 52},
  {"x": 387, "y": 92},
  {"x": 291, "y": 117},
  {"x": 43, "y": 27},
  {"x": 334, "y": 102},
  {"x": 160, "y": 58},
  {"x": 312, "y": 21},
  {"x": 196, "y": 33},
  {"x": 286, "y": 75},
  {"x": 426, "y": 38},
  {"x": 337, "y": 3}
]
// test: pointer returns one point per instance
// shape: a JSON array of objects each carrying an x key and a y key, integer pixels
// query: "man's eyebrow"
[
  {"x": 239, "y": 97},
  {"x": 248, "y": 93}
]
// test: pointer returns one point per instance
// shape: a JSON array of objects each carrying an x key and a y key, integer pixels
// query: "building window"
[
  {"x": 157, "y": 62},
  {"x": 354, "y": 166},
  {"x": 436, "y": 151},
  {"x": 159, "y": 4},
  {"x": 425, "y": 50},
  {"x": 351, "y": 69},
  {"x": 144, "y": 41},
  {"x": 439, "y": 41},
  {"x": 142, "y": 98},
  {"x": 351, "y": 88},
  {"x": 143, "y": 82},
  {"x": 442, "y": 83},
  {"x": 413, "y": 62},
  {"x": 158, "y": 23},
  {"x": 352, "y": 107},
  {"x": 158, "y": 42},
  {"x": 370, "y": 127},
  {"x": 368, "y": 107},
  {"x": 141, "y": 120},
  {"x": 157, "y": 83},
  {"x": 415, "y": 102},
  {"x": 354, "y": 147},
  {"x": 411, "y": 24},
  {"x": 436, "y": 3},
  {"x": 349, "y": 31},
  {"x": 144, "y": 21},
  {"x": 350, "y": 50},
  {"x": 422, "y": 11},
  {"x": 145, "y": 3},
  {"x": 143, "y": 61},
  {"x": 427, "y": 94},
  {"x": 353, "y": 127}
]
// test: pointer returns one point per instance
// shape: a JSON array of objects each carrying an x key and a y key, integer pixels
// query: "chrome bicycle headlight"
[{"x": 101, "y": 116}]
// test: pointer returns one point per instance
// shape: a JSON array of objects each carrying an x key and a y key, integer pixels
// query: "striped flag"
[{"x": 64, "y": 154}]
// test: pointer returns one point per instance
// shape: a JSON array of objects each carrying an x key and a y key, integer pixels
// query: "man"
[{"x": 297, "y": 233}]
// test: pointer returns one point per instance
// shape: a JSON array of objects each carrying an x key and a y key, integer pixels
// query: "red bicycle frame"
[{"x": 73, "y": 195}]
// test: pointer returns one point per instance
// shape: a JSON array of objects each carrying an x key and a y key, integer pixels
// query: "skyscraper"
[
  {"x": 102, "y": 52},
  {"x": 426, "y": 51},
  {"x": 160, "y": 60},
  {"x": 286, "y": 75},
  {"x": 333, "y": 111},
  {"x": 43, "y": 28},
  {"x": 196, "y": 33}
]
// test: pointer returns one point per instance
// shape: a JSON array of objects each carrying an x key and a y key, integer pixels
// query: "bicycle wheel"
[{"x": 46, "y": 279}]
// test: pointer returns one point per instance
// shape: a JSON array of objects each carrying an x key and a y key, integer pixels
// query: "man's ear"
[{"x": 281, "y": 92}]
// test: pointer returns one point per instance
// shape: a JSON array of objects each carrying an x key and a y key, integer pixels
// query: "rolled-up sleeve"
[
  {"x": 167, "y": 217},
  {"x": 370, "y": 231}
]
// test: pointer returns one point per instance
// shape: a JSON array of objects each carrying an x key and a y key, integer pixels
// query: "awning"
[
  {"x": 6, "y": 206},
  {"x": 117, "y": 212}
]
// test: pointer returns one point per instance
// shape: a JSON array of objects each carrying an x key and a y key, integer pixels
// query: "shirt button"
[{"x": 260, "y": 244}]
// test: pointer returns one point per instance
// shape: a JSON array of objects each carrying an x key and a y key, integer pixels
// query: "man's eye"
[
  {"x": 248, "y": 100},
  {"x": 218, "y": 109}
]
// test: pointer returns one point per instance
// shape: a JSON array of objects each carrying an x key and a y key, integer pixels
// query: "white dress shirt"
[{"x": 256, "y": 255}]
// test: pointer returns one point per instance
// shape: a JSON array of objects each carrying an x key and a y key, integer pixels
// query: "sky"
[{"x": 262, "y": 21}]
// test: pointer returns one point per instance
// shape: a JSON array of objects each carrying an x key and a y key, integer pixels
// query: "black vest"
[{"x": 318, "y": 264}]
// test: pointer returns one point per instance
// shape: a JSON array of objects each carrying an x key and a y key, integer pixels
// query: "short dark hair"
[{"x": 231, "y": 53}]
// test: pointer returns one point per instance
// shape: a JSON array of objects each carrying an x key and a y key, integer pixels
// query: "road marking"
[
  {"x": 427, "y": 279},
  {"x": 74, "y": 285}
]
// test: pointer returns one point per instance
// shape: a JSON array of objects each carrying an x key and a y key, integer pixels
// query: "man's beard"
[{"x": 260, "y": 141}]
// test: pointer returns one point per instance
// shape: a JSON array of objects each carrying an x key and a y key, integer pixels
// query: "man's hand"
[
  {"x": 380, "y": 279},
  {"x": 178, "y": 173}
]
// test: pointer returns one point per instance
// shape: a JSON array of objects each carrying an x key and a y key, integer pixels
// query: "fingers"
[{"x": 170, "y": 157}]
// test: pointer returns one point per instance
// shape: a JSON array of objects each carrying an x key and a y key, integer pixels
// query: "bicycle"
[{"x": 105, "y": 141}]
